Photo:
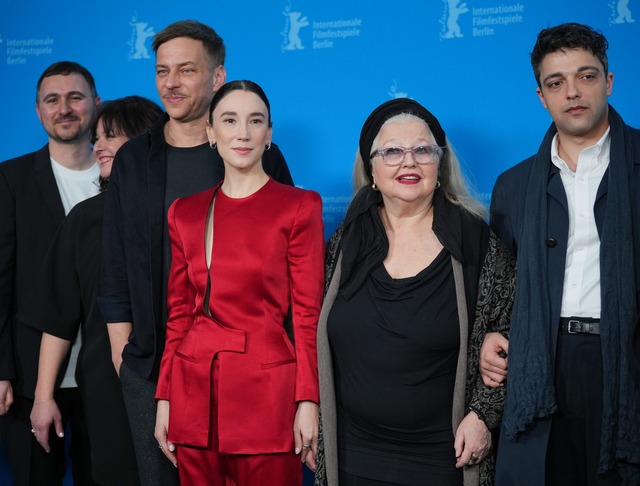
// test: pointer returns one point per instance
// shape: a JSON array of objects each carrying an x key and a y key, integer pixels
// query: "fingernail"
[
  {"x": 61, "y": 434},
  {"x": 297, "y": 450},
  {"x": 172, "y": 447}
]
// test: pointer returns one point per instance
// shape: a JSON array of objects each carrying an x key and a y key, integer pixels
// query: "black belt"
[{"x": 578, "y": 325}]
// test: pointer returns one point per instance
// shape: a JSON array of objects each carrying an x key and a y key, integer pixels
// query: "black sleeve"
[
  {"x": 500, "y": 221},
  {"x": 7, "y": 277},
  {"x": 635, "y": 346},
  {"x": 114, "y": 300},
  {"x": 274, "y": 164},
  {"x": 57, "y": 300}
]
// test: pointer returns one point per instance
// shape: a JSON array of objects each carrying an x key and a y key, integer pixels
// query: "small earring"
[
  {"x": 374, "y": 187},
  {"x": 437, "y": 184},
  {"x": 268, "y": 146},
  {"x": 213, "y": 145}
]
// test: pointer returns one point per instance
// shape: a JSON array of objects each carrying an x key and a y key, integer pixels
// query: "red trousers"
[
  {"x": 204, "y": 467},
  {"x": 198, "y": 466}
]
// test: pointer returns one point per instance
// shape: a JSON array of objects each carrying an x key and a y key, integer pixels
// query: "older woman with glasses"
[{"x": 414, "y": 277}]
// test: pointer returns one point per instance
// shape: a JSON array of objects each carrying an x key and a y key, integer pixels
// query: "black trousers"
[
  {"x": 139, "y": 398},
  {"x": 30, "y": 464},
  {"x": 574, "y": 443}
]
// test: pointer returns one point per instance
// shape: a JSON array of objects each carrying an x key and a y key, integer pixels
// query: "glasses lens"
[
  {"x": 424, "y": 154},
  {"x": 392, "y": 155}
]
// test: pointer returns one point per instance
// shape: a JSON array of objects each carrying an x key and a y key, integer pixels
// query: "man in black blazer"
[
  {"x": 150, "y": 172},
  {"x": 571, "y": 213},
  {"x": 36, "y": 192}
]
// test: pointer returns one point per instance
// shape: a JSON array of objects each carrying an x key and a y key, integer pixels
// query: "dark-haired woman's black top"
[{"x": 65, "y": 302}]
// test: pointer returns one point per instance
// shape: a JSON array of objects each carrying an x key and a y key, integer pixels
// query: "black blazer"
[{"x": 30, "y": 212}]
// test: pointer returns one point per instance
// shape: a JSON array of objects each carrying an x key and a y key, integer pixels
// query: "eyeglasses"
[{"x": 422, "y": 154}]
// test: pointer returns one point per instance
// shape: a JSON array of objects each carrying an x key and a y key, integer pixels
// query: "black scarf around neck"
[{"x": 364, "y": 243}]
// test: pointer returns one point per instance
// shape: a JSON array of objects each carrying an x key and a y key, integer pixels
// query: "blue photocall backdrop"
[{"x": 326, "y": 65}]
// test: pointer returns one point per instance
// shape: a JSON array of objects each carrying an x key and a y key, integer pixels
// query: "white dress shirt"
[{"x": 581, "y": 288}]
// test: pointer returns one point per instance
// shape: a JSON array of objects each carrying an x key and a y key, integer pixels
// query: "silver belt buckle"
[{"x": 572, "y": 321}]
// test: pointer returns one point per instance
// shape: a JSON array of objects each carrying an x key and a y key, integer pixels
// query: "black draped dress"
[{"x": 395, "y": 347}]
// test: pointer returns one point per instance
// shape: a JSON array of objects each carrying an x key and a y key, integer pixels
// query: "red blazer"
[{"x": 267, "y": 258}]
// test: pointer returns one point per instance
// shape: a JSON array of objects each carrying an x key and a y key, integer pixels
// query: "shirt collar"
[{"x": 600, "y": 151}]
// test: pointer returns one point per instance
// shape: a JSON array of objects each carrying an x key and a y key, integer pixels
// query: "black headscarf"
[{"x": 388, "y": 110}]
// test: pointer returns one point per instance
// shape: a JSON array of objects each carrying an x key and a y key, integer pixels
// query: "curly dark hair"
[{"x": 569, "y": 36}]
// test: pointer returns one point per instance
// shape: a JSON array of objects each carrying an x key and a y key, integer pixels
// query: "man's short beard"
[{"x": 70, "y": 139}]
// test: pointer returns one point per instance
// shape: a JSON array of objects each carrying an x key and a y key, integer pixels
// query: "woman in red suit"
[{"x": 237, "y": 399}]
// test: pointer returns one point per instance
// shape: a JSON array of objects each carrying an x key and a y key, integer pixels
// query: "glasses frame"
[{"x": 382, "y": 152}]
